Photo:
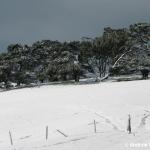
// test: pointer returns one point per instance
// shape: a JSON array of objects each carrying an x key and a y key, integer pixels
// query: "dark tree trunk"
[
  {"x": 76, "y": 77},
  {"x": 145, "y": 73}
]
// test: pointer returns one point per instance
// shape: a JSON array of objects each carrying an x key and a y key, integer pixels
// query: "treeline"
[{"x": 48, "y": 61}]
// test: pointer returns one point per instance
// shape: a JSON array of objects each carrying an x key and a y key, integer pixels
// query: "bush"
[{"x": 115, "y": 71}]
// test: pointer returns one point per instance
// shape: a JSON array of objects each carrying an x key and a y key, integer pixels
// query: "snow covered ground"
[{"x": 72, "y": 109}]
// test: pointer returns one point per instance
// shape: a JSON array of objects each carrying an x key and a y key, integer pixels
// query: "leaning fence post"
[
  {"x": 46, "y": 132},
  {"x": 10, "y": 136},
  {"x": 62, "y": 133}
]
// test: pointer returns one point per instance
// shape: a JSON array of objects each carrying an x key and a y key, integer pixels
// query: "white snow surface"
[{"x": 72, "y": 109}]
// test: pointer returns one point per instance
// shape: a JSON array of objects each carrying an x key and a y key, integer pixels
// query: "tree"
[
  {"x": 86, "y": 52},
  {"x": 41, "y": 77},
  {"x": 5, "y": 74},
  {"x": 19, "y": 77},
  {"x": 115, "y": 40},
  {"x": 101, "y": 55},
  {"x": 145, "y": 73},
  {"x": 76, "y": 71}
]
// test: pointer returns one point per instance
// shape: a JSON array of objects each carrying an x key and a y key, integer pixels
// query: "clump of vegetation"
[{"x": 117, "y": 51}]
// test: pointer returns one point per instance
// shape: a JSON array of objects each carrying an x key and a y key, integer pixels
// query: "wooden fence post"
[
  {"x": 46, "y": 132},
  {"x": 10, "y": 136},
  {"x": 62, "y": 133},
  {"x": 94, "y": 123}
]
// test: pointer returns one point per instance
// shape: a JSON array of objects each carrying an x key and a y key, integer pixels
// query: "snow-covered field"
[{"x": 72, "y": 109}]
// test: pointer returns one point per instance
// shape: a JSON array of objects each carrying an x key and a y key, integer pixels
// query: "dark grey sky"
[{"x": 26, "y": 21}]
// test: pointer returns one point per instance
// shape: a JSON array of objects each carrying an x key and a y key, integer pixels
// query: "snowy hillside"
[{"x": 72, "y": 109}]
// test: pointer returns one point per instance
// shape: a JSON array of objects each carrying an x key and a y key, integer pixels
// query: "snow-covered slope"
[{"x": 72, "y": 109}]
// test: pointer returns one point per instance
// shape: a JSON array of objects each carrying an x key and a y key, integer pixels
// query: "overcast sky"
[{"x": 26, "y": 21}]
